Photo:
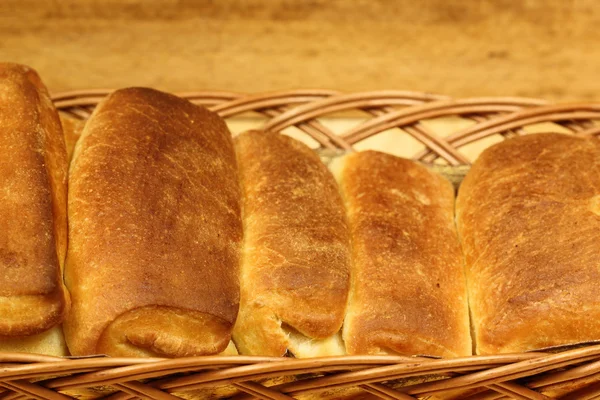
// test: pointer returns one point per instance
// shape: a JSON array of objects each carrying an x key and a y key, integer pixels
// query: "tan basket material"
[{"x": 568, "y": 373}]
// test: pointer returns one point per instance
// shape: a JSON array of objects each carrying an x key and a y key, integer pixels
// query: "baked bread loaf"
[
  {"x": 154, "y": 229},
  {"x": 296, "y": 253},
  {"x": 528, "y": 215},
  {"x": 33, "y": 201},
  {"x": 408, "y": 292}
]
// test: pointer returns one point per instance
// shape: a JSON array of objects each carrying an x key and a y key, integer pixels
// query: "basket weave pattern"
[{"x": 568, "y": 374}]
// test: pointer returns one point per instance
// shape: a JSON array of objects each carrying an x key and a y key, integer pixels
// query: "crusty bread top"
[
  {"x": 528, "y": 215},
  {"x": 408, "y": 291},
  {"x": 154, "y": 211},
  {"x": 33, "y": 171},
  {"x": 296, "y": 261}
]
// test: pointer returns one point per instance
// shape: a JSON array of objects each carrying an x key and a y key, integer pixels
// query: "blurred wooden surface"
[{"x": 537, "y": 48}]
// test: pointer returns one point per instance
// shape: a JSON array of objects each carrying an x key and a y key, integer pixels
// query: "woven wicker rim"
[
  {"x": 499, "y": 376},
  {"x": 388, "y": 109}
]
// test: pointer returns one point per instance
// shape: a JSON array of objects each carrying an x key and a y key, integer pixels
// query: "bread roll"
[
  {"x": 296, "y": 257},
  {"x": 528, "y": 215},
  {"x": 33, "y": 236},
  {"x": 155, "y": 229},
  {"x": 408, "y": 291}
]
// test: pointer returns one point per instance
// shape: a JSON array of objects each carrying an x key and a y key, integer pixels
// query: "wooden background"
[{"x": 538, "y": 48}]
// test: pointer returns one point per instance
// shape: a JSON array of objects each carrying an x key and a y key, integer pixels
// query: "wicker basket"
[{"x": 566, "y": 373}]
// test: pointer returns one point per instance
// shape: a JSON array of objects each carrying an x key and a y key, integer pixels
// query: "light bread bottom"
[{"x": 50, "y": 343}]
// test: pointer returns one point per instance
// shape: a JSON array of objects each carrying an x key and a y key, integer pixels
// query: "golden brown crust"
[
  {"x": 33, "y": 173},
  {"x": 531, "y": 237},
  {"x": 156, "y": 331},
  {"x": 296, "y": 259},
  {"x": 408, "y": 291},
  {"x": 155, "y": 221}
]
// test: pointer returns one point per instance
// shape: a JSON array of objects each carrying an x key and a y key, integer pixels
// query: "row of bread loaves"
[{"x": 183, "y": 241}]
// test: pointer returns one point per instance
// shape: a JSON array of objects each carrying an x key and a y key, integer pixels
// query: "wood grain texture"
[{"x": 525, "y": 48}]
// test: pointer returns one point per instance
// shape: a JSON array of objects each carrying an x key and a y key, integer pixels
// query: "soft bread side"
[
  {"x": 529, "y": 220},
  {"x": 33, "y": 173},
  {"x": 49, "y": 343},
  {"x": 155, "y": 229},
  {"x": 72, "y": 129},
  {"x": 296, "y": 254},
  {"x": 408, "y": 293}
]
